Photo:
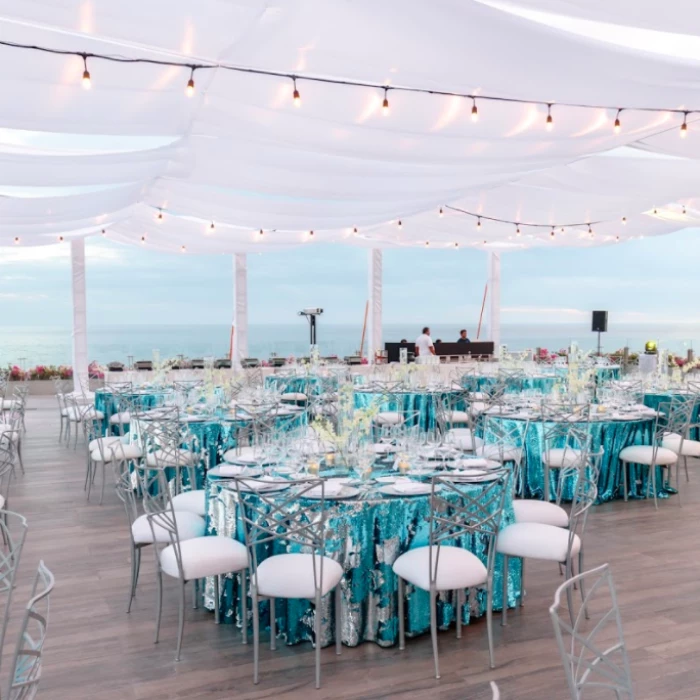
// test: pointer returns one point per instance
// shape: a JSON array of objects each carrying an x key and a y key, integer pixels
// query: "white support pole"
[
  {"x": 81, "y": 380},
  {"x": 494, "y": 299},
  {"x": 240, "y": 309},
  {"x": 375, "y": 303}
]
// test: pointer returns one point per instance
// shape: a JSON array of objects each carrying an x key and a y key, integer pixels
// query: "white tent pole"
[
  {"x": 494, "y": 282},
  {"x": 240, "y": 308},
  {"x": 375, "y": 303},
  {"x": 81, "y": 379}
]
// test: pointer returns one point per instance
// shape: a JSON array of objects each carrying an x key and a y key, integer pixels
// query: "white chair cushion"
[
  {"x": 388, "y": 418},
  {"x": 189, "y": 525},
  {"x": 531, "y": 511},
  {"x": 78, "y": 415},
  {"x": 170, "y": 458},
  {"x": 509, "y": 453},
  {"x": 536, "y": 541},
  {"x": 644, "y": 454},
  {"x": 559, "y": 457},
  {"x": 2, "y": 501},
  {"x": 293, "y": 396},
  {"x": 120, "y": 418},
  {"x": 463, "y": 439},
  {"x": 292, "y": 576},
  {"x": 7, "y": 404},
  {"x": 690, "y": 448},
  {"x": 457, "y": 417},
  {"x": 205, "y": 556},
  {"x": 105, "y": 442},
  {"x": 477, "y": 407},
  {"x": 116, "y": 452},
  {"x": 192, "y": 501},
  {"x": 456, "y": 568}
]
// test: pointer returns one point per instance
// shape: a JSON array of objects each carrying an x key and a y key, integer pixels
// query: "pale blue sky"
[{"x": 648, "y": 280}]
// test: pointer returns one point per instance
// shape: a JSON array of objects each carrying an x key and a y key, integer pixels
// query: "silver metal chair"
[
  {"x": 592, "y": 660},
  {"x": 11, "y": 430},
  {"x": 13, "y": 528},
  {"x": 185, "y": 558},
  {"x": 283, "y": 520},
  {"x": 460, "y": 508},
  {"x": 27, "y": 662}
]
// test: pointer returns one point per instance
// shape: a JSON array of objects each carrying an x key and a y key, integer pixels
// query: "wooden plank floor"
[{"x": 95, "y": 650}]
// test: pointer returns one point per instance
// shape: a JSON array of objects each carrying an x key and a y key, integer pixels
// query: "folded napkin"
[
  {"x": 332, "y": 487},
  {"x": 408, "y": 487},
  {"x": 264, "y": 482},
  {"x": 469, "y": 472},
  {"x": 234, "y": 470}
]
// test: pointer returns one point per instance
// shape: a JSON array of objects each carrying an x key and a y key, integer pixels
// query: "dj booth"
[{"x": 478, "y": 350}]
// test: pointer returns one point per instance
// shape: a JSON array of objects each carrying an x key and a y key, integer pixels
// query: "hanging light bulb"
[
  {"x": 385, "y": 104},
  {"x": 183, "y": 249},
  {"x": 549, "y": 124},
  {"x": 478, "y": 222},
  {"x": 189, "y": 90},
  {"x": 624, "y": 221},
  {"x": 475, "y": 111},
  {"x": 143, "y": 239},
  {"x": 441, "y": 213},
  {"x": 400, "y": 224},
  {"x": 427, "y": 244},
  {"x": 456, "y": 244},
  {"x": 211, "y": 226},
  {"x": 684, "y": 210},
  {"x": 656, "y": 211},
  {"x": 552, "y": 234},
  {"x": 60, "y": 239},
  {"x": 684, "y": 125},
  {"x": 354, "y": 230},
  {"x": 617, "y": 239},
  {"x": 87, "y": 84},
  {"x": 16, "y": 240},
  {"x": 261, "y": 232},
  {"x": 561, "y": 230},
  {"x": 617, "y": 126},
  {"x": 517, "y": 229},
  {"x": 159, "y": 218},
  {"x": 104, "y": 233},
  {"x": 296, "y": 95}
]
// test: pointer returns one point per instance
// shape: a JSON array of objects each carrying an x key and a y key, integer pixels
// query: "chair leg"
[
  {"x": 400, "y": 612},
  {"x": 104, "y": 478},
  {"x": 489, "y": 622},
  {"x": 273, "y": 625},
  {"x": 433, "y": 630},
  {"x": 678, "y": 482},
  {"x": 159, "y": 598},
  {"x": 180, "y": 619},
  {"x": 652, "y": 470},
  {"x": 135, "y": 556},
  {"x": 338, "y": 619},
  {"x": 19, "y": 454},
  {"x": 216, "y": 600},
  {"x": 256, "y": 633},
  {"x": 583, "y": 590},
  {"x": 569, "y": 594},
  {"x": 88, "y": 470},
  {"x": 504, "y": 611},
  {"x": 458, "y": 614},
  {"x": 244, "y": 610},
  {"x": 317, "y": 638}
]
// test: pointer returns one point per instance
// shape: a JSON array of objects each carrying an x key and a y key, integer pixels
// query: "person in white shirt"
[{"x": 424, "y": 344}]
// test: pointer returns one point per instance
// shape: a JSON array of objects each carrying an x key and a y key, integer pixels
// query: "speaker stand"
[{"x": 598, "y": 343}]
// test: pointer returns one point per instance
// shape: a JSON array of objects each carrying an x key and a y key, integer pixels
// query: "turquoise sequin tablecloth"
[
  {"x": 419, "y": 403},
  {"x": 303, "y": 384},
  {"x": 610, "y": 435},
  {"x": 654, "y": 399},
  {"x": 105, "y": 400},
  {"x": 543, "y": 384},
  {"x": 378, "y": 530}
]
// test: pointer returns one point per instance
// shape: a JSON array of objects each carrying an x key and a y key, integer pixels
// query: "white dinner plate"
[
  {"x": 233, "y": 470},
  {"x": 418, "y": 490},
  {"x": 344, "y": 493},
  {"x": 262, "y": 486}
]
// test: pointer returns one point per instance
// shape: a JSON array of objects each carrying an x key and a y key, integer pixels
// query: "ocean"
[{"x": 29, "y": 346}]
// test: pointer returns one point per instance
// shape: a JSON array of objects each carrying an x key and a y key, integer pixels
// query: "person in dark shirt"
[{"x": 463, "y": 337}]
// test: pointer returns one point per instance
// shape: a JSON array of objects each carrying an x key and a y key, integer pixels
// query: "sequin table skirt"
[
  {"x": 378, "y": 530},
  {"x": 612, "y": 436},
  {"x": 542, "y": 384},
  {"x": 105, "y": 401}
]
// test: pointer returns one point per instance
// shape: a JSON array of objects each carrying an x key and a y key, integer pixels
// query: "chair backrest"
[
  {"x": 27, "y": 662},
  {"x": 675, "y": 417},
  {"x": 461, "y": 507},
  {"x": 585, "y": 495},
  {"x": 593, "y": 651},
  {"x": 283, "y": 517},
  {"x": 13, "y": 528},
  {"x": 507, "y": 441},
  {"x": 513, "y": 379}
]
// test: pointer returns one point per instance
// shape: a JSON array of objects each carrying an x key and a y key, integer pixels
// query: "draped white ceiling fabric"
[{"x": 75, "y": 162}]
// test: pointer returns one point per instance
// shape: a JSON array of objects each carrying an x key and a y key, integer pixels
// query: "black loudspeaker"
[{"x": 600, "y": 322}]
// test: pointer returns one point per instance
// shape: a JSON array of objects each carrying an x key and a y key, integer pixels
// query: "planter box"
[{"x": 45, "y": 387}]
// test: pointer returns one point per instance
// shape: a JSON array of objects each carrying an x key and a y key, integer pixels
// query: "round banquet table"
[
  {"x": 308, "y": 384},
  {"x": 654, "y": 399},
  {"x": 413, "y": 401},
  {"x": 542, "y": 383},
  {"x": 610, "y": 435},
  {"x": 379, "y": 528}
]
